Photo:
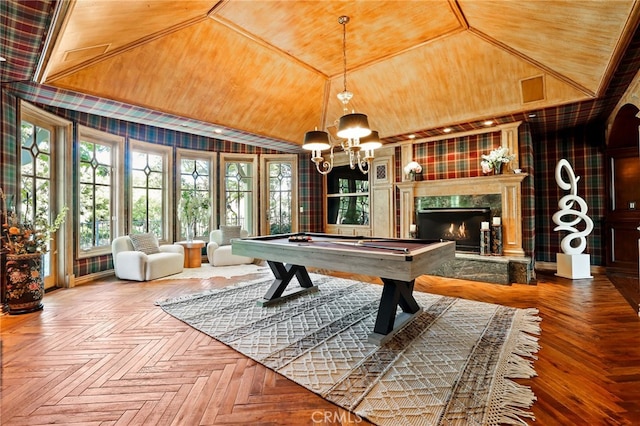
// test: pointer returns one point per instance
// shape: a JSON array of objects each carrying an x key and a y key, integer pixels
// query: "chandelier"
[{"x": 357, "y": 139}]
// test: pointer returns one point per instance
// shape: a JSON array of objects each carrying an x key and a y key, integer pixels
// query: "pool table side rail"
[{"x": 393, "y": 265}]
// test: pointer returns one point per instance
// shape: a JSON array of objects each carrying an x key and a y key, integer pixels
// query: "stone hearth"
[{"x": 491, "y": 269}]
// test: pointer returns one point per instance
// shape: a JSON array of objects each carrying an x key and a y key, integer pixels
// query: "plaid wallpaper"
[
  {"x": 582, "y": 147},
  {"x": 528, "y": 193},
  {"x": 460, "y": 157},
  {"x": 22, "y": 26},
  {"x": 311, "y": 197},
  {"x": 8, "y": 153},
  {"x": 454, "y": 158}
]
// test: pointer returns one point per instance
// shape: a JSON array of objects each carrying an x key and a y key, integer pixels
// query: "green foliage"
[{"x": 194, "y": 208}]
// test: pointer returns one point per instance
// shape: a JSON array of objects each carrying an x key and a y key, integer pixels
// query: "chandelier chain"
[{"x": 343, "y": 21}]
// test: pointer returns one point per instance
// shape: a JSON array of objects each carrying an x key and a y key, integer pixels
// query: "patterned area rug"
[
  {"x": 453, "y": 364},
  {"x": 208, "y": 271}
]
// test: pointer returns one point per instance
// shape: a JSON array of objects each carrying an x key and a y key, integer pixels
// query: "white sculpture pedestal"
[{"x": 573, "y": 266}]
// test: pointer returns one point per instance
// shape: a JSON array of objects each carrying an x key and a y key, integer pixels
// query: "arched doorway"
[{"x": 622, "y": 215}]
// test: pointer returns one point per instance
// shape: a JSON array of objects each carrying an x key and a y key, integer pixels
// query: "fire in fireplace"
[{"x": 459, "y": 224}]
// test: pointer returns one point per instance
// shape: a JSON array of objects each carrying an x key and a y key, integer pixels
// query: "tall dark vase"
[{"x": 24, "y": 283}]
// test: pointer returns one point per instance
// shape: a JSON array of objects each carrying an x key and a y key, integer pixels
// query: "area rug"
[
  {"x": 452, "y": 364},
  {"x": 207, "y": 271}
]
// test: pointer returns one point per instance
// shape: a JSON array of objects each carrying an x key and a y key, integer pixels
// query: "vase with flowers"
[
  {"x": 495, "y": 160},
  {"x": 24, "y": 244},
  {"x": 412, "y": 170}
]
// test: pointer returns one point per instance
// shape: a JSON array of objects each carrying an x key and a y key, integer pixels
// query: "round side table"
[{"x": 192, "y": 252}]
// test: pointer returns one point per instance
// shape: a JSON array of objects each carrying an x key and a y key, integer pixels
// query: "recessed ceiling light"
[
  {"x": 412, "y": 136},
  {"x": 533, "y": 115},
  {"x": 447, "y": 130},
  {"x": 3, "y": 59},
  {"x": 218, "y": 131},
  {"x": 488, "y": 123}
]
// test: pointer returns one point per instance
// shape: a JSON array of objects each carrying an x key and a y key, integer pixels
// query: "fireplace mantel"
[{"x": 508, "y": 185}]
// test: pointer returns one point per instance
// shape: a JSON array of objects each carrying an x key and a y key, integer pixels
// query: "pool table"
[{"x": 396, "y": 261}]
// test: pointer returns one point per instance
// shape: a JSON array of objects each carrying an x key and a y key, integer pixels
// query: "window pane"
[
  {"x": 96, "y": 192},
  {"x": 103, "y": 175},
  {"x": 239, "y": 194},
  {"x": 280, "y": 184},
  {"x": 155, "y": 180},
  {"x": 148, "y": 193},
  {"x": 194, "y": 210},
  {"x": 138, "y": 178}
]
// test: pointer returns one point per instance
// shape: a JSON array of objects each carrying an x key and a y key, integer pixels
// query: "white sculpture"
[{"x": 573, "y": 264}]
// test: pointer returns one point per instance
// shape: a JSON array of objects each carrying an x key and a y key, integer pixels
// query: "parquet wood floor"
[{"x": 104, "y": 354}]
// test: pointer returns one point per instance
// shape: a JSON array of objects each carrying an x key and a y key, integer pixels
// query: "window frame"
[
  {"x": 166, "y": 152},
  {"x": 117, "y": 187},
  {"x": 212, "y": 158},
  {"x": 61, "y": 248},
  {"x": 265, "y": 159},
  {"x": 244, "y": 158}
]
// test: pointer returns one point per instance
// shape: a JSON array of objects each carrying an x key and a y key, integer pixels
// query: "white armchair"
[
  {"x": 130, "y": 264},
  {"x": 220, "y": 255}
]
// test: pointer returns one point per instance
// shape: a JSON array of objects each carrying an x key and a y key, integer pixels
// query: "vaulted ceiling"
[{"x": 273, "y": 68}]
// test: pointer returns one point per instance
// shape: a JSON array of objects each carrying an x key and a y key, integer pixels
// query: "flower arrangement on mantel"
[
  {"x": 495, "y": 160},
  {"x": 412, "y": 169},
  {"x": 24, "y": 237}
]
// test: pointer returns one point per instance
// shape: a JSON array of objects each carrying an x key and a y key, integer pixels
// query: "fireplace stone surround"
[{"x": 513, "y": 266}]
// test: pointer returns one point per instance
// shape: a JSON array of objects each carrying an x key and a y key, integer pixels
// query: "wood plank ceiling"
[{"x": 273, "y": 68}]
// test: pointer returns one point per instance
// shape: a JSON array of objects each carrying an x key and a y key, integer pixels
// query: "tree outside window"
[
  {"x": 96, "y": 192},
  {"x": 148, "y": 193},
  {"x": 239, "y": 195}
]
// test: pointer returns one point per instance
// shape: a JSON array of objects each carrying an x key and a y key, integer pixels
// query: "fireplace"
[{"x": 458, "y": 224}]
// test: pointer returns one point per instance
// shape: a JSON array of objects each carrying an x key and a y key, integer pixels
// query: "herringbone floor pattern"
[{"x": 104, "y": 354}]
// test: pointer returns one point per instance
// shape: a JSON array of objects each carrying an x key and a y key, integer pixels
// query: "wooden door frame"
[
  {"x": 265, "y": 159},
  {"x": 61, "y": 177}
]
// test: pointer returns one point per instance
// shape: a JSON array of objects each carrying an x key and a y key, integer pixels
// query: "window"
[
  {"x": 347, "y": 197},
  {"x": 278, "y": 189},
  {"x": 150, "y": 201},
  {"x": 100, "y": 159},
  {"x": 36, "y": 170},
  {"x": 240, "y": 191},
  {"x": 196, "y": 170},
  {"x": 44, "y": 172}
]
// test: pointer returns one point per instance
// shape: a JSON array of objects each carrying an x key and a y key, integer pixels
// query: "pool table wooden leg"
[
  {"x": 394, "y": 293},
  {"x": 283, "y": 276}
]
